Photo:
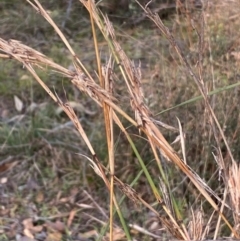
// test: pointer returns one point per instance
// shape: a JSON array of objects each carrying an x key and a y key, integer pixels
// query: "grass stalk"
[{"x": 100, "y": 89}]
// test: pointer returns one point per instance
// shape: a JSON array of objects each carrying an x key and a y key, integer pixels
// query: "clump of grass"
[{"x": 100, "y": 88}]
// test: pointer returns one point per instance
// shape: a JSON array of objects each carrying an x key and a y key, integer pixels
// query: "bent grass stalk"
[{"x": 102, "y": 95}]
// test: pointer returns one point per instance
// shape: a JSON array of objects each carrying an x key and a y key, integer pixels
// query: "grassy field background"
[{"x": 48, "y": 190}]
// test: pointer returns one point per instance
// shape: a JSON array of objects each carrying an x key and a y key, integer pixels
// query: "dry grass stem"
[
  {"x": 196, "y": 225},
  {"x": 234, "y": 190},
  {"x": 100, "y": 89}
]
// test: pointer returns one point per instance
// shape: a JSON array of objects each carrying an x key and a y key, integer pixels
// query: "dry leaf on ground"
[
  {"x": 71, "y": 217},
  {"x": 57, "y": 226},
  {"x": 56, "y": 236},
  {"x": 18, "y": 104}
]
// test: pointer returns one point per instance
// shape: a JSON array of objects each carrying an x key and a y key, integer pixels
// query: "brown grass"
[{"x": 100, "y": 88}]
